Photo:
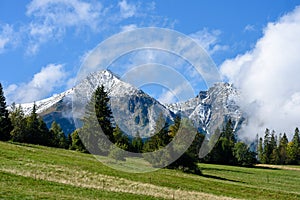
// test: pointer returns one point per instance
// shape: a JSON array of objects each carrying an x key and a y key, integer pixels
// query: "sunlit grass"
[{"x": 56, "y": 170}]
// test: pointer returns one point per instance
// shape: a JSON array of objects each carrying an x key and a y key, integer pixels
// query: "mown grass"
[
  {"x": 61, "y": 174},
  {"x": 19, "y": 187}
]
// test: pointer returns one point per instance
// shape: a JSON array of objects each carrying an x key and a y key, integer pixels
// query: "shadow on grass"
[
  {"x": 227, "y": 170},
  {"x": 264, "y": 167},
  {"x": 220, "y": 178}
]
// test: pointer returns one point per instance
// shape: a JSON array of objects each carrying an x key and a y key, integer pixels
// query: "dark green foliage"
[
  {"x": 222, "y": 152},
  {"x": 162, "y": 154},
  {"x": 57, "y": 136},
  {"x": 161, "y": 137},
  {"x": 284, "y": 152},
  {"x": 19, "y": 124},
  {"x": 175, "y": 127},
  {"x": 260, "y": 149},
  {"x": 293, "y": 149},
  {"x": 76, "y": 143},
  {"x": 103, "y": 112},
  {"x": 36, "y": 130},
  {"x": 137, "y": 144},
  {"x": 97, "y": 124},
  {"x": 5, "y": 123},
  {"x": 283, "y": 142},
  {"x": 158, "y": 142},
  {"x": 243, "y": 155},
  {"x": 33, "y": 130},
  {"x": 268, "y": 147},
  {"x": 228, "y": 151},
  {"x": 121, "y": 140}
]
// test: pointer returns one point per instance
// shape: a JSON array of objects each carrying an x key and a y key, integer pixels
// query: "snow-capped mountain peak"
[{"x": 135, "y": 111}]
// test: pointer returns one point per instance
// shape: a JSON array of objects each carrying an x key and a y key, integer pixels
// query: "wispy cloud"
[
  {"x": 7, "y": 37},
  {"x": 268, "y": 76},
  {"x": 209, "y": 40},
  {"x": 172, "y": 96},
  {"x": 129, "y": 27},
  {"x": 51, "y": 19},
  {"x": 42, "y": 84},
  {"x": 127, "y": 10},
  {"x": 249, "y": 28}
]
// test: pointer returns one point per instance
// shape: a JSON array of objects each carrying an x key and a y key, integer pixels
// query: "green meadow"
[{"x": 38, "y": 172}]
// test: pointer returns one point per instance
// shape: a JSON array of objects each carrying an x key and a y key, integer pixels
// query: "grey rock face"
[
  {"x": 135, "y": 111},
  {"x": 209, "y": 109}
]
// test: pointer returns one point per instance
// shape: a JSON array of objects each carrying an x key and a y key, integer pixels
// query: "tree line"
[
  {"x": 95, "y": 140},
  {"x": 17, "y": 127},
  {"x": 273, "y": 149},
  {"x": 228, "y": 150}
]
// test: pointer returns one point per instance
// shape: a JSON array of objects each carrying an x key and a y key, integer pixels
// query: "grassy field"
[{"x": 35, "y": 172}]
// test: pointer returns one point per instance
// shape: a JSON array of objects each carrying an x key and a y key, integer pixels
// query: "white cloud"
[
  {"x": 172, "y": 96},
  {"x": 268, "y": 77},
  {"x": 51, "y": 19},
  {"x": 42, "y": 84},
  {"x": 129, "y": 27},
  {"x": 66, "y": 12},
  {"x": 209, "y": 40},
  {"x": 127, "y": 10},
  {"x": 249, "y": 28},
  {"x": 7, "y": 37}
]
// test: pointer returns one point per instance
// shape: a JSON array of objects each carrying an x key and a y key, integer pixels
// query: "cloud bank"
[
  {"x": 268, "y": 77},
  {"x": 42, "y": 84}
]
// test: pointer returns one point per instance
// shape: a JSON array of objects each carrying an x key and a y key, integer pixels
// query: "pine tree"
[
  {"x": 5, "y": 123},
  {"x": 161, "y": 137},
  {"x": 121, "y": 140},
  {"x": 175, "y": 127},
  {"x": 97, "y": 123},
  {"x": 19, "y": 124},
  {"x": 226, "y": 144},
  {"x": 243, "y": 154},
  {"x": 293, "y": 149},
  {"x": 137, "y": 143},
  {"x": 274, "y": 156},
  {"x": 103, "y": 112},
  {"x": 267, "y": 147},
  {"x": 273, "y": 140},
  {"x": 36, "y": 130},
  {"x": 77, "y": 143},
  {"x": 32, "y": 126},
  {"x": 58, "y": 138},
  {"x": 188, "y": 161},
  {"x": 44, "y": 135},
  {"x": 260, "y": 150},
  {"x": 283, "y": 149}
]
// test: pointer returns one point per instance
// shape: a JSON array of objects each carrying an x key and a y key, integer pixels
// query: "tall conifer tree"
[{"x": 5, "y": 123}]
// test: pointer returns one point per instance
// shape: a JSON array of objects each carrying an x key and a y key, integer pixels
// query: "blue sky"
[{"x": 43, "y": 43}]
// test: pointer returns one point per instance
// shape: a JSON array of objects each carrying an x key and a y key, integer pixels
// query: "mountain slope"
[
  {"x": 135, "y": 111},
  {"x": 209, "y": 109}
]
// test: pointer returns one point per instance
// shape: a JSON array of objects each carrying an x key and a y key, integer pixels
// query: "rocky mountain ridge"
[{"x": 135, "y": 111}]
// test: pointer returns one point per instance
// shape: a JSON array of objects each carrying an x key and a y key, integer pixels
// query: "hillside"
[
  {"x": 34, "y": 172},
  {"x": 135, "y": 111}
]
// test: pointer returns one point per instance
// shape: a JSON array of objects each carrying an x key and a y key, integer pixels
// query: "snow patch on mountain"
[{"x": 135, "y": 111}]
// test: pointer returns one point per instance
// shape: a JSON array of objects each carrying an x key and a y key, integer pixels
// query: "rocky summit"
[{"x": 135, "y": 111}]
